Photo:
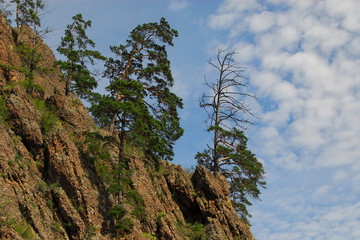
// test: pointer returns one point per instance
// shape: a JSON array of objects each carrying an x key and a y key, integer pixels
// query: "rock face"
[{"x": 51, "y": 187}]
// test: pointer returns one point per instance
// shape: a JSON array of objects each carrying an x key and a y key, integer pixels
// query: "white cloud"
[
  {"x": 322, "y": 192},
  {"x": 246, "y": 54},
  {"x": 347, "y": 12},
  {"x": 341, "y": 175},
  {"x": 177, "y": 5},
  {"x": 230, "y": 12},
  {"x": 305, "y": 58},
  {"x": 301, "y": 220},
  {"x": 222, "y": 21},
  {"x": 261, "y": 22},
  {"x": 238, "y": 6}
]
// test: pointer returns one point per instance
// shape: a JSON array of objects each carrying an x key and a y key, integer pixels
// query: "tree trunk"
[
  {"x": 67, "y": 88},
  {"x": 112, "y": 124},
  {"x": 17, "y": 15},
  {"x": 217, "y": 123},
  {"x": 121, "y": 157}
]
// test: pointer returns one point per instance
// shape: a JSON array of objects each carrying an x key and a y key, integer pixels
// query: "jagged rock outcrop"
[{"x": 51, "y": 189}]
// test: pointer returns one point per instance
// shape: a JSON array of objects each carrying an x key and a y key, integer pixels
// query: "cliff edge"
[{"x": 54, "y": 178}]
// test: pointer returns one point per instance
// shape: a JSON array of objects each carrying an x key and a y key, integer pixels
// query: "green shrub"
[
  {"x": 195, "y": 231},
  {"x": 117, "y": 212},
  {"x": 4, "y": 111},
  {"x": 56, "y": 226},
  {"x": 122, "y": 224},
  {"x": 117, "y": 178},
  {"x": 139, "y": 213},
  {"x": 49, "y": 119},
  {"x": 25, "y": 231},
  {"x": 21, "y": 227},
  {"x": 159, "y": 216},
  {"x": 149, "y": 236}
]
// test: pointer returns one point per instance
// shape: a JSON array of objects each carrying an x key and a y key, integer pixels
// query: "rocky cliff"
[{"x": 55, "y": 168}]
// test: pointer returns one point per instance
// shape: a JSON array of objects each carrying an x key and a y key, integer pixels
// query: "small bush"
[
  {"x": 30, "y": 87},
  {"x": 159, "y": 216},
  {"x": 117, "y": 212},
  {"x": 122, "y": 224},
  {"x": 139, "y": 213},
  {"x": 21, "y": 227},
  {"x": 25, "y": 231},
  {"x": 149, "y": 236},
  {"x": 4, "y": 112},
  {"x": 56, "y": 226},
  {"x": 195, "y": 231},
  {"x": 49, "y": 119}
]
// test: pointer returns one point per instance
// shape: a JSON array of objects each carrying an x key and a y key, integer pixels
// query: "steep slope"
[{"x": 54, "y": 176}]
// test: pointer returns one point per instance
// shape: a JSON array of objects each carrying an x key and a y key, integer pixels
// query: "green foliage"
[
  {"x": 117, "y": 177},
  {"x": 21, "y": 227},
  {"x": 31, "y": 61},
  {"x": 28, "y": 13},
  {"x": 122, "y": 224},
  {"x": 139, "y": 103},
  {"x": 117, "y": 211},
  {"x": 25, "y": 231},
  {"x": 49, "y": 120},
  {"x": 149, "y": 236},
  {"x": 121, "y": 182},
  {"x": 134, "y": 197},
  {"x": 195, "y": 231},
  {"x": 91, "y": 232},
  {"x": 159, "y": 216},
  {"x": 4, "y": 111},
  {"x": 28, "y": 83},
  {"x": 30, "y": 58},
  {"x": 74, "y": 46},
  {"x": 239, "y": 165},
  {"x": 247, "y": 173},
  {"x": 139, "y": 106},
  {"x": 32, "y": 87},
  {"x": 56, "y": 226},
  {"x": 96, "y": 147}
]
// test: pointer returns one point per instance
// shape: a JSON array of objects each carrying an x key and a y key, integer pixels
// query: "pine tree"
[
  {"x": 28, "y": 13},
  {"x": 140, "y": 105},
  {"x": 74, "y": 46},
  {"x": 228, "y": 154}
]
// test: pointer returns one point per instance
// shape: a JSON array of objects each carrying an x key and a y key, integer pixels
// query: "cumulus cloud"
[
  {"x": 330, "y": 223},
  {"x": 306, "y": 70},
  {"x": 178, "y": 4},
  {"x": 230, "y": 12},
  {"x": 305, "y": 57},
  {"x": 262, "y": 21}
]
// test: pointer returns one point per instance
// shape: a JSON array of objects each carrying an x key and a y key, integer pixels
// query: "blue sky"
[{"x": 302, "y": 59}]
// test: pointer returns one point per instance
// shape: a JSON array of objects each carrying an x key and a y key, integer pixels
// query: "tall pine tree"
[
  {"x": 139, "y": 105},
  {"x": 28, "y": 13},
  {"x": 74, "y": 46}
]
